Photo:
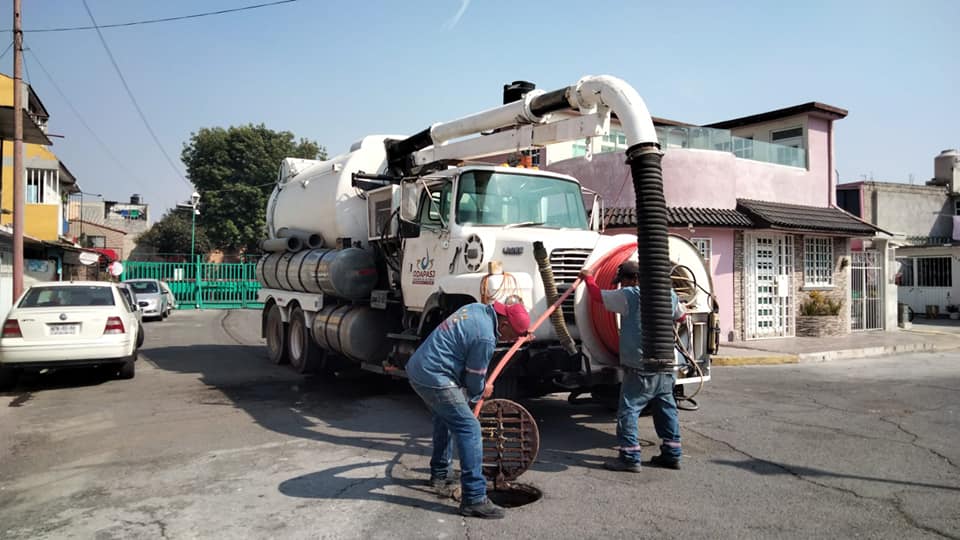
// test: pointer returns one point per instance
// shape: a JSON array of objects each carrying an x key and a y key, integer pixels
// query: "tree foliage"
[
  {"x": 234, "y": 170},
  {"x": 172, "y": 234}
]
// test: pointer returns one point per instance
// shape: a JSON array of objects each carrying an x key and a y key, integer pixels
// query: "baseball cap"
[
  {"x": 627, "y": 269},
  {"x": 516, "y": 315}
]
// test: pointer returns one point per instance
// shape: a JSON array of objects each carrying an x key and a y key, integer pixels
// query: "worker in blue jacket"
[
  {"x": 448, "y": 372},
  {"x": 642, "y": 384}
]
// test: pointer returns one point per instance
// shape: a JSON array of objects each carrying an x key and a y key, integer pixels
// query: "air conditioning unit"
[{"x": 382, "y": 203}]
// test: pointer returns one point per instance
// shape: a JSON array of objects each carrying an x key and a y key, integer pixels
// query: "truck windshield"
[{"x": 497, "y": 198}]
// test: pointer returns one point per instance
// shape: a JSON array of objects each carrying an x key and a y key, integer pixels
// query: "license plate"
[{"x": 63, "y": 329}]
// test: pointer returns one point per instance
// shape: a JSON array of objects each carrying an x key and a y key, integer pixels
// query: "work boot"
[
  {"x": 667, "y": 462},
  {"x": 484, "y": 509},
  {"x": 443, "y": 486},
  {"x": 619, "y": 465}
]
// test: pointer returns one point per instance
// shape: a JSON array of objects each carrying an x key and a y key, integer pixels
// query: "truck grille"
[{"x": 566, "y": 264}]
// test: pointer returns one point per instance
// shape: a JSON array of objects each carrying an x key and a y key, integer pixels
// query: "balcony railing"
[{"x": 703, "y": 138}]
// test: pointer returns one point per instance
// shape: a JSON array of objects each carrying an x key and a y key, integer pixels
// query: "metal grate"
[
  {"x": 511, "y": 440},
  {"x": 566, "y": 265}
]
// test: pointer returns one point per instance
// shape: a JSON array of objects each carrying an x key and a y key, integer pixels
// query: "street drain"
[{"x": 514, "y": 495}]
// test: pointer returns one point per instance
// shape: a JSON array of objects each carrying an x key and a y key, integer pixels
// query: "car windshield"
[
  {"x": 39, "y": 297},
  {"x": 499, "y": 198},
  {"x": 143, "y": 287}
]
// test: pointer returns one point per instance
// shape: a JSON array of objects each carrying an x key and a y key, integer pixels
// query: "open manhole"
[
  {"x": 511, "y": 442},
  {"x": 513, "y": 495}
]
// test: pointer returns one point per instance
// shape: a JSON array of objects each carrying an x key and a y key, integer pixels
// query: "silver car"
[{"x": 150, "y": 298}]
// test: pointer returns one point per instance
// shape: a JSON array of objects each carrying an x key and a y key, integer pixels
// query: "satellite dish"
[{"x": 87, "y": 258}]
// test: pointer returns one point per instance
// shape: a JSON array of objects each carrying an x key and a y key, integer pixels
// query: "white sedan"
[{"x": 62, "y": 324}]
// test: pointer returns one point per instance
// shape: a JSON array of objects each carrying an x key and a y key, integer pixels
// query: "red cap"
[{"x": 516, "y": 315}]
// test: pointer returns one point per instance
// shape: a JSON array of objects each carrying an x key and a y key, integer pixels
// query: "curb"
[{"x": 759, "y": 360}]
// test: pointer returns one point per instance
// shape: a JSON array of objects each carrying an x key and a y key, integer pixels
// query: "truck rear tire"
[
  {"x": 276, "y": 336},
  {"x": 305, "y": 356}
]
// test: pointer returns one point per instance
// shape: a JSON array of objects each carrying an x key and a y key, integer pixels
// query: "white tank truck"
[{"x": 370, "y": 250}]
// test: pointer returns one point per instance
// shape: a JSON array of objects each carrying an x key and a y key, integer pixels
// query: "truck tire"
[
  {"x": 276, "y": 334},
  {"x": 506, "y": 388},
  {"x": 305, "y": 356}
]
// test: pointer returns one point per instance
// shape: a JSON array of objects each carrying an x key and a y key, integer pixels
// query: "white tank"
[
  {"x": 317, "y": 196},
  {"x": 944, "y": 164}
]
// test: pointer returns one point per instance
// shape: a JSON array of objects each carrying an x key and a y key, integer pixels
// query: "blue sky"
[{"x": 334, "y": 71}]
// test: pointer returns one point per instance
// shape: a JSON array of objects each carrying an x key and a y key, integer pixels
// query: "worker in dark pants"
[
  {"x": 448, "y": 372},
  {"x": 642, "y": 384}
]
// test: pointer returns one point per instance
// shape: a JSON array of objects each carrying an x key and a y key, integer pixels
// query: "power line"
[
  {"x": 136, "y": 105},
  {"x": 165, "y": 19},
  {"x": 83, "y": 122},
  {"x": 5, "y": 51}
]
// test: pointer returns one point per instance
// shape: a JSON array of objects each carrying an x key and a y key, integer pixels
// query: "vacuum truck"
[{"x": 368, "y": 251}]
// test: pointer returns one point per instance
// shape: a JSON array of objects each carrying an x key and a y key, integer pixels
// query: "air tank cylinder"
[
  {"x": 357, "y": 332},
  {"x": 344, "y": 273}
]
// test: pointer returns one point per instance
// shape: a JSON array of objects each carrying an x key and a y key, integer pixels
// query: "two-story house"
[
  {"x": 111, "y": 227},
  {"x": 925, "y": 220},
  {"x": 756, "y": 195}
]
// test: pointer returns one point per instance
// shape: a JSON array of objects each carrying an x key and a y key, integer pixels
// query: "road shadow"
[
  {"x": 770, "y": 468},
  {"x": 33, "y": 382}
]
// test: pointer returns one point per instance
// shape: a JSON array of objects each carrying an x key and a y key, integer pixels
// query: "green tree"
[
  {"x": 234, "y": 170},
  {"x": 172, "y": 234}
]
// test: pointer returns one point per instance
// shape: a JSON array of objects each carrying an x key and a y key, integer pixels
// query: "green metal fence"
[{"x": 220, "y": 285}]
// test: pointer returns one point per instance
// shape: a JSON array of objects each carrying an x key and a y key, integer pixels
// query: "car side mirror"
[{"x": 409, "y": 229}]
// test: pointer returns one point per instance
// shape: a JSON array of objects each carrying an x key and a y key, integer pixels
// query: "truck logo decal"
[{"x": 424, "y": 273}]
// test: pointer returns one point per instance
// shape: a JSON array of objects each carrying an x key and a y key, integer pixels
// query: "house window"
[
  {"x": 705, "y": 247},
  {"x": 790, "y": 147},
  {"x": 818, "y": 262},
  {"x": 97, "y": 241},
  {"x": 42, "y": 186},
  {"x": 956, "y": 207},
  {"x": 934, "y": 272},
  {"x": 579, "y": 147}
]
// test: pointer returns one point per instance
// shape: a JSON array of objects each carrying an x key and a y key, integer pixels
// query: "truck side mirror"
[
  {"x": 409, "y": 198},
  {"x": 409, "y": 229}
]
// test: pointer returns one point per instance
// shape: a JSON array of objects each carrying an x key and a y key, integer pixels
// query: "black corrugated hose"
[
  {"x": 550, "y": 290},
  {"x": 653, "y": 251}
]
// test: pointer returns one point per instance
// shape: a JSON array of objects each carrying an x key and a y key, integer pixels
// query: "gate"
[
  {"x": 768, "y": 268},
  {"x": 866, "y": 300},
  {"x": 202, "y": 285}
]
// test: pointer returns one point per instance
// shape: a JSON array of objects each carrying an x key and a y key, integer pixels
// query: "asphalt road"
[{"x": 210, "y": 441}]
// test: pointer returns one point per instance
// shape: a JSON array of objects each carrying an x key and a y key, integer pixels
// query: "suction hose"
[
  {"x": 653, "y": 252},
  {"x": 550, "y": 290}
]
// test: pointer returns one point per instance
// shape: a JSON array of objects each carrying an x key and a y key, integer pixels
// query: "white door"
[
  {"x": 768, "y": 270},
  {"x": 866, "y": 298}
]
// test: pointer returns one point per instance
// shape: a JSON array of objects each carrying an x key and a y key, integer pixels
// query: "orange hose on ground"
[{"x": 605, "y": 322}]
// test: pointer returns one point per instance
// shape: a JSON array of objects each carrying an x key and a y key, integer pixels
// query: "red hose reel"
[{"x": 605, "y": 322}]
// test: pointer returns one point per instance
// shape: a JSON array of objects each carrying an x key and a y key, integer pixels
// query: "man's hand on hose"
[
  {"x": 586, "y": 272},
  {"x": 487, "y": 390}
]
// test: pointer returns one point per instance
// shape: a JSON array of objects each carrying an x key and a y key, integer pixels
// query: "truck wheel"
[
  {"x": 305, "y": 356},
  {"x": 506, "y": 388},
  {"x": 276, "y": 336}
]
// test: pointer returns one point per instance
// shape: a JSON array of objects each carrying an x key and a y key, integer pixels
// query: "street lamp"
[{"x": 194, "y": 200}]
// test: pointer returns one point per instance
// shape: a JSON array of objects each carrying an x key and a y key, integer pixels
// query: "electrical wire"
[
  {"x": 84, "y": 123},
  {"x": 5, "y": 51},
  {"x": 164, "y": 19},
  {"x": 136, "y": 105}
]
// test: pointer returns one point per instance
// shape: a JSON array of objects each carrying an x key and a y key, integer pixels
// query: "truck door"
[{"x": 427, "y": 257}]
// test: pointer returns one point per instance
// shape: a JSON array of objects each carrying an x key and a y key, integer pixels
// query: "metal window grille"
[
  {"x": 934, "y": 272},
  {"x": 705, "y": 246},
  {"x": 818, "y": 261}
]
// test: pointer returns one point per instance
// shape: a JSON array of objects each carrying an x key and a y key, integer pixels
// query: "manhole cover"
[{"x": 511, "y": 440}]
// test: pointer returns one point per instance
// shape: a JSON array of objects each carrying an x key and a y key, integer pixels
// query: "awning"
[
  {"x": 802, "y": 218},
  {"x": 110, "y": 254},
  {"x": 32, "y": 133},
  {"x": 681, "y": 216}
]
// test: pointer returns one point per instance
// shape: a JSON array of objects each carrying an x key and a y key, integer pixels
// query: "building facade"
[
  {"x": 108, "y": 225},
  {"x": 756, "y": 195}
]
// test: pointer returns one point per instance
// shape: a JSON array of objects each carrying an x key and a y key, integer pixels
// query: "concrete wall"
[
  {"x": 908, "y": 210},
  {"x": 118, "y": 241}
]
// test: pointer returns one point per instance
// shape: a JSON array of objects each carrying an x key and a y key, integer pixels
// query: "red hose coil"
[{"x": 605, "y": 322}]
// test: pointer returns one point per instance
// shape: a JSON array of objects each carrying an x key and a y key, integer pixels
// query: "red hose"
[{"x": 605, "y": 322}]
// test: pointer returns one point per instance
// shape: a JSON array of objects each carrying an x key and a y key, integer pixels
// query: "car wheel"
[
  {"x": 129, "y": 368},
  {"x": 305, "y": 356},
  {"x": 276, "y": 334},
  {"x": 140, "y": 336},
  {"x": 8, "y": 378}
]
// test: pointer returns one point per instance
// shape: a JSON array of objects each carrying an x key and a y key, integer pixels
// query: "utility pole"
[{"x": 19, "y": 200}]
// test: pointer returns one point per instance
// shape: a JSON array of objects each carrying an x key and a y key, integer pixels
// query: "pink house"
[{"x": 757, "y": 196}]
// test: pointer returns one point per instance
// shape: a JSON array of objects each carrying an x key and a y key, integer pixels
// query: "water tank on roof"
[
  {"x": 135, "y": 198},
  {"x": 944, "y": 164}
]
